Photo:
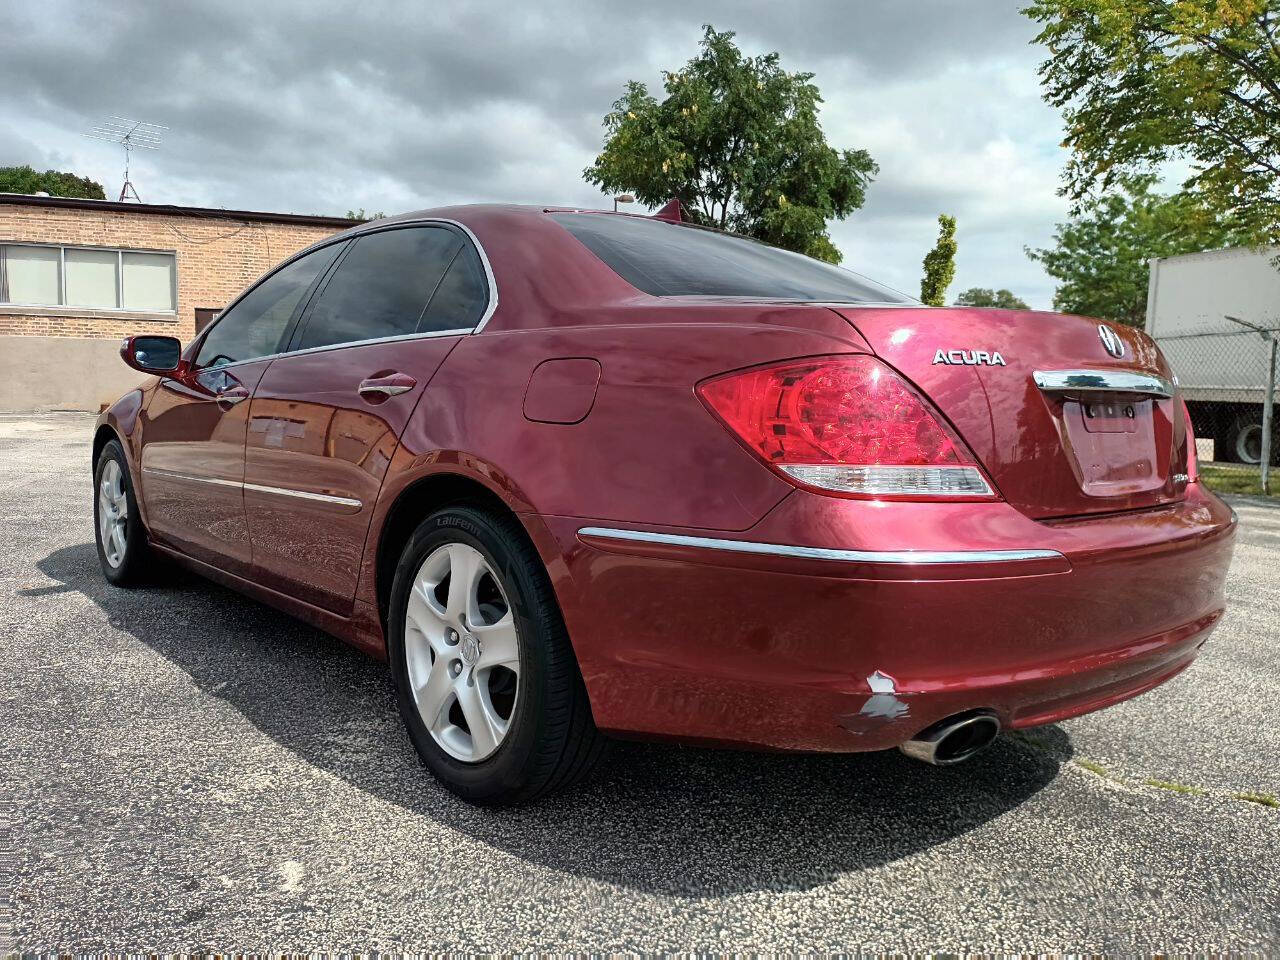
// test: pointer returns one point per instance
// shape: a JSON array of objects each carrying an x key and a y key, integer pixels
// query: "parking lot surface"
[{"x": 185, "y": 769}]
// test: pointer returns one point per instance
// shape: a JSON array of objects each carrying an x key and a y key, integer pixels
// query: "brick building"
[{"x": 77, "y": 275}]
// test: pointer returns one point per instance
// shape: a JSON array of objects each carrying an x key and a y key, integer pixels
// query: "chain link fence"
[{"x": 1228, "y": 381}]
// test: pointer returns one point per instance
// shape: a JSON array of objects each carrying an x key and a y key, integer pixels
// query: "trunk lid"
[{"x": 1085, "y": 440}]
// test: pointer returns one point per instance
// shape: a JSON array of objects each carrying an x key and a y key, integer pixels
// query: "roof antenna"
[{"x": 129, "y": 134}]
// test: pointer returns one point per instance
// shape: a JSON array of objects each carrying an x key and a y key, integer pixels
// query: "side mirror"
[{"x": 152, "y": 354}]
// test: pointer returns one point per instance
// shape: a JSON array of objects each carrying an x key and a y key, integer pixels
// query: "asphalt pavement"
[{"x": 185, "y": 769}]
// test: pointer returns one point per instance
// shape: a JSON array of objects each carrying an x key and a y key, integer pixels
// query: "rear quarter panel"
[{"x": 648, "y": 452}]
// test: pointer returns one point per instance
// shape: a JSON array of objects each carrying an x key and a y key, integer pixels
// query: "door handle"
[
  {"x": 377, "y": 389},
  {"x": 230, "y": 397}
]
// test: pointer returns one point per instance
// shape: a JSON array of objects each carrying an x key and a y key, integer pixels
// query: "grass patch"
[
  {"x": 1239, "y": 479},
  {"x": 1093, "y": 766},
  {"x": 1097, "y": 769},
  {"x": 1265, "y": 799},
  {"x": 1175, "y": 787}
]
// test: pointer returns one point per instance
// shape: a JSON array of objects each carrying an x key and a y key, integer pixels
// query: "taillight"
[
  {"x": 1193, "y": 461},
  {"x": 846, "y": 424}
]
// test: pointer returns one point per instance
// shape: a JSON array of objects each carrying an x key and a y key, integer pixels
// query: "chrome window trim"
[
  {"x": 870, "y": 304},
  {"x": 461, "y": 331},
  {"x": 491, "y": 284},
  {"x": 902, "y": 557},
  {"x": 1103, "y": 381},
  {"x": 258, "y": 488}
]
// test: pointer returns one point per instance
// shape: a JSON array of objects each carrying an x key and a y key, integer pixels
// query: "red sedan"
[{"x": 576, "y": 473}]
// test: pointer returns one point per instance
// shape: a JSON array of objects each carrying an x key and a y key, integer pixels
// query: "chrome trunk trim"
[{"x": 1090, "y": 382}]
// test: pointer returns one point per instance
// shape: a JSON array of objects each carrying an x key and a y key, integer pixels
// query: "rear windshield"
[{"x": 674, "y": 260}]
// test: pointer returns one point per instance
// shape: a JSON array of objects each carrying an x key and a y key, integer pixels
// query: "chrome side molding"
[
  {"x": 1088, "y": 382},
  {"x": 171, "y": 475},
  {"x": 909, "y": 557},
  {"x": 258, "y": 488},
  {"x": 304, "y": 495}
]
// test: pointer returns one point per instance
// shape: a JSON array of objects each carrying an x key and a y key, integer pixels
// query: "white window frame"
[{"x": 62, "y": 304}]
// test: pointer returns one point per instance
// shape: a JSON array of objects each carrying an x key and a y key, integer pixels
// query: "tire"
[
  {"x": 486, "y": 679},
  {"x": 123, "y": 551},
  {"x": 1246, "y": 440}
]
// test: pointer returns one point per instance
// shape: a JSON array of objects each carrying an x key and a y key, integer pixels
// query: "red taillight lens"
[
  {"x": 848, "y": 424},
  {"x": 1193, "y": 461}
]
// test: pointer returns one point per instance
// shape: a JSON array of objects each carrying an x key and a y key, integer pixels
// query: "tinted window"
[
  {"x": 462, "y": 296},
  {"x": 382, "y": 287},
  {"x": 673, "y": 260},
  {"x": 254, "y": 326}
]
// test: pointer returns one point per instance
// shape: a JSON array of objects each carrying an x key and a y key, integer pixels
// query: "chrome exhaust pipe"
[{"x": 953, "y": 739}]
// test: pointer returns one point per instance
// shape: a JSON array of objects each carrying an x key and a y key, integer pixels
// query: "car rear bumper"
[{"x": 844, "y": 625}]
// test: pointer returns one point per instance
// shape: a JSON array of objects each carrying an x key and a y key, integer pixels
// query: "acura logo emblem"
[
  {"x": 470, "y": 649},
  {"x": 1111, "y": 341},
  {"x": 970, "y": 358}
]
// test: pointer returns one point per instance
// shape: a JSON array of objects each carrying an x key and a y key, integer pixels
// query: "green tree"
[
  {"x": 1142, "y": 82},
  {"x": 53, "y": 182},
  {"x": 737, "y": 141},
  {"x": 986, "y": 297},
  {"x": 940, "y": 264},
  {"x": 1100, "y": 256},
  {"x": 362, "y": 217}
]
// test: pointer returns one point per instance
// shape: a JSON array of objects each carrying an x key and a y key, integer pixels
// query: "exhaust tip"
[{"x": 954, "y": 739}]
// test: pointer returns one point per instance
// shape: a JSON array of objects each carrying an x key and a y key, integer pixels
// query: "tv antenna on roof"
[{"x": 129, "y": 134}]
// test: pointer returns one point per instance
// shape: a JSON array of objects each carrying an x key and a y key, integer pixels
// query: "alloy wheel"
[
  {"x": 113, "y": 514},
  {"x": 462, "y": 651}
]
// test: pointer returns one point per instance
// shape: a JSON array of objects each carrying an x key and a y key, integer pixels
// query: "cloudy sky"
[{"x": 318, "y": 107}]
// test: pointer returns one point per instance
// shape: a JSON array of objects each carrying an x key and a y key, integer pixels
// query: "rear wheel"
[
  {"x": 122, "y": 543},
  {"x": 485, "y": 675}
]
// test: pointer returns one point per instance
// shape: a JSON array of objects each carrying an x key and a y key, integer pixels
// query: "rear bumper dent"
[{"x": 705, "y": 636}]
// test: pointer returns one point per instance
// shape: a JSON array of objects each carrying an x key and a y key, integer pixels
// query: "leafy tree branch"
[{"x": 737, "y": 140}]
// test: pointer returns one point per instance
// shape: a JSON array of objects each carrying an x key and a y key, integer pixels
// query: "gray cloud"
[{"x": 319, "y": 107}]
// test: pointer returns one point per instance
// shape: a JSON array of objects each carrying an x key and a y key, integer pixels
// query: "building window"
[
  {"x": 204, "y": 315},
  {"x": 90, "y": 277},
  {"x": 30, "y": 275}
]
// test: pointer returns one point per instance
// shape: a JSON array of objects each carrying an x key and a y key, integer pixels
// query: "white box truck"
[{"x": 1222, "y": 366}]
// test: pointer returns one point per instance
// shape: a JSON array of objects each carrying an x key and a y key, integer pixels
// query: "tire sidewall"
[
  {"x": 1245, "y": 427},
  {"x": 506, "y": 769},
  {"x": 135, "y": 538}
]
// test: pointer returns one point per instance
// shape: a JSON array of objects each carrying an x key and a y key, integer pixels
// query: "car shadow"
[{"x": 659, "y": 818}]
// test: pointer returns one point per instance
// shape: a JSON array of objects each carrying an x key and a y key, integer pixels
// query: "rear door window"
[
  {"x": 462, "y": 296},
  {"x": 677, "y": 260},
  {"x": 383, "y": 288}
]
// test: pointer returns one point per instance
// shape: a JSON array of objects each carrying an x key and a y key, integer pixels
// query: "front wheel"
[
  {"x": 122, "y": 542},
  {"x": 486, "y": 679}
]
